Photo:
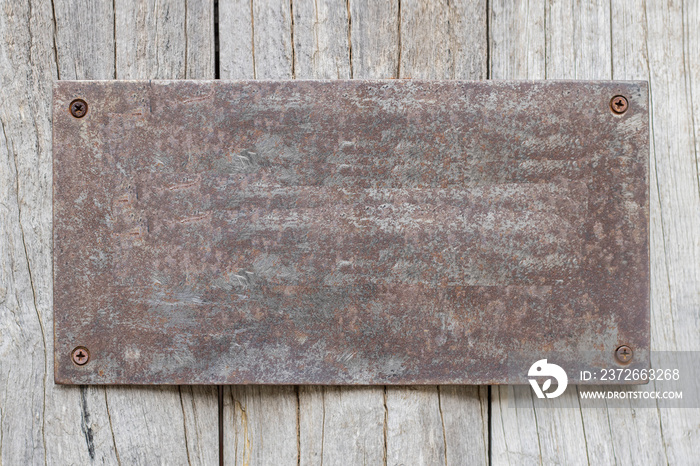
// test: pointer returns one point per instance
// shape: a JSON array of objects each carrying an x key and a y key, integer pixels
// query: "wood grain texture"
[
  {"x": 261, "y": 423},
  {"x": 374, "y": 38},
  {"x": 418, "y": 432},
  {"x": 371, "y": 50},
  {"x": 443, "y": 39},
  {"x": 321, "y": 40},
  {"x": 43, "y": 423},
  {"x": 616, "y": 40},
  {"x": 439, "y": 40},
  {"x": 627, "y": 39},
  {"x": 341, "y": 425}
]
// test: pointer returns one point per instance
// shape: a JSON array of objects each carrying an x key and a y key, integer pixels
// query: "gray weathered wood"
[
  {"x": 374, "y": 38},
  {"x": 443, "y": 39},
  {"x": 341, "y": 425},
  {"x": 321, "y": 40},
  {"x": 337, "y": 425},
  {"x": 323, "y": 49},
  {"x": 618, "y": 40},
  {"x": 628, "y": 39},
  {"x": 261, "y": 424},
  {"x": 419, "y": 431},
  {"x": 41, "y": 422}
]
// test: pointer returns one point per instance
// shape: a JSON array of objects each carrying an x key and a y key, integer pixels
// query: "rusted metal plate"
[{"x": 347, "y": 232}]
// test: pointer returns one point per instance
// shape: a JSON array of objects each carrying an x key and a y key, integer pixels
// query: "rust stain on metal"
[{"x": 348, "y": 232}]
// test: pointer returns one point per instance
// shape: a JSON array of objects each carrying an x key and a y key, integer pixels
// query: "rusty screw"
[
  {"x": 619, "y": 104},
  {"x": 78, "y": 108},
  {"x": 623, "y": 354},
  {"x": 80, "y": 355}
]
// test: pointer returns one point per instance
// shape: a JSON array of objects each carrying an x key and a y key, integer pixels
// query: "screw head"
[
  {"x": 78, "y": 108},
  {"x": 619, "y": 104},
  {"x": 623, "y": 354},
  {"x": 80, "y": 355}
]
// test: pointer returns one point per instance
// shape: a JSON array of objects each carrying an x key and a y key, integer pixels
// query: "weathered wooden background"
[{"x": 43, "y": 40}]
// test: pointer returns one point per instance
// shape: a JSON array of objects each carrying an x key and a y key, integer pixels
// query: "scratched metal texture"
[{"x": 348, "y": 232}]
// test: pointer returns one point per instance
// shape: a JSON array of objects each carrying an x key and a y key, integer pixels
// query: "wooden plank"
[
  {"x": 42, "y": 423},
  {"x": 522, "y": 433},
  {"x": 443, "y": 39},
  {"x": 439, "y": 40},
  {"x": 342, "y": 425},
  {"x": 261, "y": 423},
  {"x": 155, "y": 40},
  {"x": 321, "y": 31},
  {"x": 672, "y": 40},
  {"x": 643, "y": 41},
  {"x": 374, "y": 52},
  {"x": 374, "y": 39},
  {"x": 38, "y": 422}
]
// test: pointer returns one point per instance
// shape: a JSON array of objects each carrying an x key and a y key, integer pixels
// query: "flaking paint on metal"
[{"x": 348, "y": 232}]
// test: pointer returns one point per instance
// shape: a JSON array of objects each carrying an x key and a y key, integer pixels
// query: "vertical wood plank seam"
[
  {"x": 252, "y": 38},
  {"x": 386, "y": 427},
  {"x": 220, "y": 413},
  {"x": 291, "y": 33},
  {"x": 55, "y": 31},
  {"x": 689, "y": 87},
  {"x": 217, "y": 64},
  {"x": 111, "y": 427},
  {"x": 296, "y": 390},
  {"x": 114, "y": 33},
  {"x": 186, "y": 76},
  {"x": 489, "y": 411},
  {"x": 85, "y": 426},
  {"x": 347, "y": 5},
  {"x": 219, "y": 388},
  {"x": 656, "y": 171},
  {"x": 488, "y": 40},
  {"x": 179, "y": 387},
  {"x": 442, "y": 421},
  {"x": 580, "y": 412},
  {"x": 489, "y": 425},
  {"x": 398, "y": 63}
]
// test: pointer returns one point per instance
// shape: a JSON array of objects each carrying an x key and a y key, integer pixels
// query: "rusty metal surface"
[{"x": 348, "y": 232}]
